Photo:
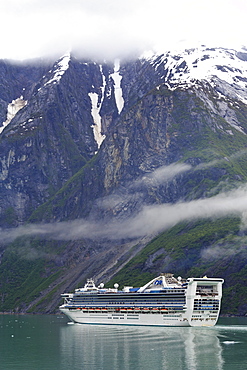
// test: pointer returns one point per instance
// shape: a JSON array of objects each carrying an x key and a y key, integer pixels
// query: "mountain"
[{"x": 118, "y": 170}]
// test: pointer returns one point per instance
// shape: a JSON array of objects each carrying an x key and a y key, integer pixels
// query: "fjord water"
[{"x": 49, "y": 342}]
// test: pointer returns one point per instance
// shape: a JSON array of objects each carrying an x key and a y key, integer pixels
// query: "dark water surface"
[{"x": 48, "y": 342}]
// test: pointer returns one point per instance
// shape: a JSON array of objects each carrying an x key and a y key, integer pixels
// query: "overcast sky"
[{"x": 116, "y": 28}]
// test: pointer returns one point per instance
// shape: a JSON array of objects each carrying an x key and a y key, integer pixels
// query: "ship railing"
[
  {"x": 128, "y": 309},
  {"x": 139, "y": 305}
]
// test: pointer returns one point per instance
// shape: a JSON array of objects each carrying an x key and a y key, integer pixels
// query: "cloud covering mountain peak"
[{"x": 111, "y": 29}]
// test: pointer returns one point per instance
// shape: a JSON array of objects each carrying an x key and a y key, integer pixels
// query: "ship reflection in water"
[
  {"x": 114, "y": 347},
  {"x": 39, "y": 342}
]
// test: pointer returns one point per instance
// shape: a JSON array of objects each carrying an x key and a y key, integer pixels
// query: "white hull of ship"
[
  {"x": 163, "y": 301},
  {"x": 138, "y": 319}
]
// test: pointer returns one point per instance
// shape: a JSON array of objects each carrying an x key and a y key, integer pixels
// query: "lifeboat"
[
  {"x": 155, "y": 310},
  {"x": 163, "y": 309},
  {"x": 145, "y": 309}
]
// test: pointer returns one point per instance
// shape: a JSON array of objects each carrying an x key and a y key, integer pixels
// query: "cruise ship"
[{"x": 163, "y": 301}]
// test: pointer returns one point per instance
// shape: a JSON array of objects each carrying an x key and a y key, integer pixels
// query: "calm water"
[{"x": 50, "y": 343}]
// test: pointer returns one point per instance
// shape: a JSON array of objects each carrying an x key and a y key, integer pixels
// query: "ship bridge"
[{"x": 163, "y": 281}]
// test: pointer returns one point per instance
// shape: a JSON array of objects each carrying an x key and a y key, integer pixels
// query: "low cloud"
[
  {"x": 149, "y": 221},
  {"x": 222, "y": 251},
  {"x": 163, "y": 174},
  {"x": 217, "y": 252},
  {"x": 133, "y": 191},
  {"x": 112, "y": 29},
  {"x": 154, "y": 219}
]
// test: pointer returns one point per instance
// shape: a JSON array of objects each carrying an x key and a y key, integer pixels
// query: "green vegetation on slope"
[
  {"x": 24, "y": 274},
  {"x": 195, "y": 249}
]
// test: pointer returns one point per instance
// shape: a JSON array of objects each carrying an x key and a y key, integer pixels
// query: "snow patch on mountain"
[
  {"x": 117, "y": 86},
  {"x": 12, "y": 109},
  {"x": 96, "y": 118},
  {"x": 95, "y": 111},
  {"x": 104, "y": 82}
]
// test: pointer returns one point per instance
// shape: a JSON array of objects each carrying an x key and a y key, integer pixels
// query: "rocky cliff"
[{"x": 99, "y": 159}]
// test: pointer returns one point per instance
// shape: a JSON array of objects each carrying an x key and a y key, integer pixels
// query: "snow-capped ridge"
[
  {"x": 60, "y": 67},
  {"x": 187, "y": 67}
]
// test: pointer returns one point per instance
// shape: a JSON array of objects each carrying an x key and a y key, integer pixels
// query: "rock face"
[
  {"x": 51, "y": 137},
  {"x": 102, "y": 141}
]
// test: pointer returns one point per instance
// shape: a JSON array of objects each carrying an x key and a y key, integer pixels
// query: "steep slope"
[
  {"x": 51, "y": 137},
  {"x": 125, "y": 152}
]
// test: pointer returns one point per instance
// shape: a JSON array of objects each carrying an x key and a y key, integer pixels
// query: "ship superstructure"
[{"x": 163, "y": 301}]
